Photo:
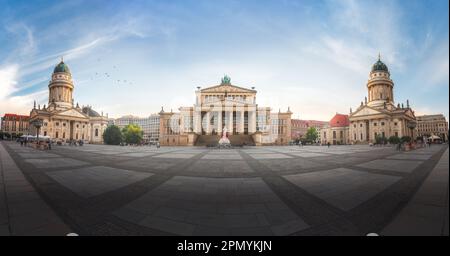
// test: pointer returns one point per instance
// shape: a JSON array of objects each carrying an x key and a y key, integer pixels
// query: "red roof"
[
  {"x": 339, "y": 120},
  {"x": 8, "y": 115}
]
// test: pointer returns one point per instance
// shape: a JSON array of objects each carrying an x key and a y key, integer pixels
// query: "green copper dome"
[
  {"x": 379, "y": 66},
  {"x": 61, "y": 67}
]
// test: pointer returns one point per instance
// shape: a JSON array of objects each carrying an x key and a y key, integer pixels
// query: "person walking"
[{"x": 328, "y": 144}]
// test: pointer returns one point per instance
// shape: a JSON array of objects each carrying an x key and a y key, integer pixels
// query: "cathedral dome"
[
  {"x": 379, "y": 66},
  {"x": 61, "y": 67}
]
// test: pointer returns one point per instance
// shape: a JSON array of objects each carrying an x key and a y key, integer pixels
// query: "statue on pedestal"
[{"x": 224, "y": 141}]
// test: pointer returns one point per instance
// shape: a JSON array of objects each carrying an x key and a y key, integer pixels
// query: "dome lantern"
[
  {"x": 61, "y": 67},
  {"x": 379, "y": 66}
]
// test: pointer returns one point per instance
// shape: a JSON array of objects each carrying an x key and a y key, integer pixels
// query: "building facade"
[
  {"x": 378, "y": 115},
  {"x": 429, "y": 125},
  {"x": 337, "y": 131},
  {"x": 300, "y": 127},
  {"x": 149, "y": 125},
  {"x": 61, "y": 120},
  {"x": 225, "y": 109},
  {"x": 15, "y": 125}
]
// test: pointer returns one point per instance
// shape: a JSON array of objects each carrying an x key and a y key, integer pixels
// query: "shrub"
[
  {"x": 394, "y": 140},
  {"x": 405, "y": 139}
]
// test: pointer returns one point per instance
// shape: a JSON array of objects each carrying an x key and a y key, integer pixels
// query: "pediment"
[
  {"x": 227, "y": 88},
  {"x": 410, "y": 113},
  {"x": 226, "y": 102},
  {"x": 72, "y": 113},
  {"x": 366, "y": 111}
]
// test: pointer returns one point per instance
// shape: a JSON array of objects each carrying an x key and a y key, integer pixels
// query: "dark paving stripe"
[
  {"x": 379, "y": 171},
  {"x": 374, "y": 214},
  {"x": 311, "y": 209}
]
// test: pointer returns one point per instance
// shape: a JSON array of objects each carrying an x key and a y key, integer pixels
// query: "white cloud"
[
  {"x": 8, "y": 80},
  {"x": 8, "y": 85}
]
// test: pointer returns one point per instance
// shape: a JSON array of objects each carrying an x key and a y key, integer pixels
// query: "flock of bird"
[{"x": 109, "y": 76}]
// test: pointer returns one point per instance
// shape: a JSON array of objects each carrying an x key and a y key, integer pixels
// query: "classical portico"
[{"x": 224, "y": 108}]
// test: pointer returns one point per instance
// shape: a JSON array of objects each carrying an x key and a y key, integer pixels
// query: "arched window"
[{"x": 96, "y": 132}]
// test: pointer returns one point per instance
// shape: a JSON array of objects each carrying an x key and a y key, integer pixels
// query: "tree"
[
  {"x": 112, "y": 135},
  {"x": 312, "y": 134},
  {"x": 132, "y": 134},
  {"x": 394, "y": 140},
  {"x": 406, "y": 139},
  {"x": 380, "y": 139}
]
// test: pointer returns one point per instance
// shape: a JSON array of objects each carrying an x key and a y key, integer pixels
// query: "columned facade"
[{"x": 223, "y": 109}]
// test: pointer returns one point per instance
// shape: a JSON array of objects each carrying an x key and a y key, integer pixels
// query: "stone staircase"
[
  {"x": 213, "y": 140},
  {"x": 241, "y": 140},
  {"x": 207, "y": 140}
]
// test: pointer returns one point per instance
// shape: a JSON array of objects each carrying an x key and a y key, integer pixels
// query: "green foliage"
[
  {"x": 394, "y": 140},
  {"x": 380, "y": 139},
  {"x": 112, "y": 135},
  {"x": 312, "y": 134},
  {"x": 406, "y": 139},
  {"x": 132, "y": 134}
]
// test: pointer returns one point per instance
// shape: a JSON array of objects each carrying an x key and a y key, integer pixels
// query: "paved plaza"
[{"x": 285, "y": 190}]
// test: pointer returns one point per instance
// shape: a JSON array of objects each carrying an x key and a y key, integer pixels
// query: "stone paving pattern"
[{"x": 289, "y": 190}]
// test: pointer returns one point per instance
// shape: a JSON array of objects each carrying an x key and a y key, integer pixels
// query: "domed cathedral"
[
  {"x": 61, "y": 119},
  {"x": 377, "y": 115}
]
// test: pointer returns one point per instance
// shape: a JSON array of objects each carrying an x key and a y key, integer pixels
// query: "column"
[
  {"x": 252, "y": 121},
  {"x": 241, "y": 125},
  {"x": 208, "y": 121},
  {"x": 230, "y": 122},
  {"x": 197, "y": 122},
  {"x": 219, "y": 122}
]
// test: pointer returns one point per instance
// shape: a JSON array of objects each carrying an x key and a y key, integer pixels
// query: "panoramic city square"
[
  {"x": 274, "y": 190},
  {"x": 198, "y": 121}
]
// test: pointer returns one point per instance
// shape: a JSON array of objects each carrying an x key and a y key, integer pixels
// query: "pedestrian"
[
  {"x": 49, "y": 144},
  {"x": 328, "y": 144}
]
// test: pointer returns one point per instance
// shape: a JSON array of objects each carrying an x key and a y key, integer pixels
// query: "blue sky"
[{"x": 311, "y": 56}]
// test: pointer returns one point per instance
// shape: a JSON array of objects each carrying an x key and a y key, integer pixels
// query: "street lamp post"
[
  {"x": 38, "y": 124},
  {"x": 411, "y": 125}
]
